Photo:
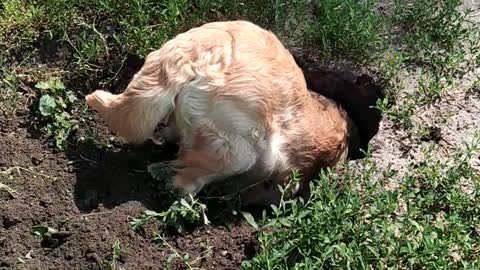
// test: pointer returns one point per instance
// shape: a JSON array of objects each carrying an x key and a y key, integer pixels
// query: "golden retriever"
[{"x": 238, "y": 104}]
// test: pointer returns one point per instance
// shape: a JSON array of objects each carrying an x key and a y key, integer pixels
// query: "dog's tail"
[
  {"x": 196, "y": 55},
  {"x": 149, "y": 98}
]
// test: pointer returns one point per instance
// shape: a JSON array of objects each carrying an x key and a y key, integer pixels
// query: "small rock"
[
  {"x": 68, "y": 256},
  {"x": 9, "y": 222},
  {"x": 29, "y": 254},
  {"x": 93, "y": 257},
  {"x": 37, "y": 160},
  {"x": 42, "y": 203}
]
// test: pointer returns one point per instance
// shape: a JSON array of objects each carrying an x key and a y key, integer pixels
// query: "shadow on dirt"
[{"x": 108, "y": 178}]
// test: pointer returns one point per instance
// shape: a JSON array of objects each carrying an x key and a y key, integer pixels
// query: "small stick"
[
  {"x": 10, "y": 190},
  {"x": 18, "y": 169}
]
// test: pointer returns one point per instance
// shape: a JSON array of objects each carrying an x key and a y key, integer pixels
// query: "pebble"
[
  {"x": 9, "y": 222},
  {"x": 36, "y": 160}
]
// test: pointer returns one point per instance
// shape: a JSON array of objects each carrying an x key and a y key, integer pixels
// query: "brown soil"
[
  {"x": 90, "y": 194},
  {"x": 91, "y": 191}
]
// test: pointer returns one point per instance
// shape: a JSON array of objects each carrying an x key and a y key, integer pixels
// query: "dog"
[{"x": 237, "y": 103}]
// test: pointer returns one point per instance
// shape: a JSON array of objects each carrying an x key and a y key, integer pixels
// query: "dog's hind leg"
[{"x": 212, "y": 158}]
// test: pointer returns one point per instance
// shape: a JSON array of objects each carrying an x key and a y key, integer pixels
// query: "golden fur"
[{"x": 238, "y": 104}]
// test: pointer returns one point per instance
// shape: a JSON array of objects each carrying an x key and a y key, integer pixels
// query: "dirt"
[
  {"x": 92, "y": 190},
  {"x": 91, "y": 194}
]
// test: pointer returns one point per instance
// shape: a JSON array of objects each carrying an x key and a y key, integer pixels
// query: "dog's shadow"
[{"x": 106, "y": 178}]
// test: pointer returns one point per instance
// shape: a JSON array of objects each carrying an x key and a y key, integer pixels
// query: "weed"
[
  {"x": 183, "y": 212},
  {"x": 175, "y": 254},
  {"x": 90, "y": 46},
  {"x": 351, "y": 28},
  {"x": 116, "y": 251},
  {"x": 353, "y": 223},
  {"x": 400, "y": 113},
  {"x": 206, "y": 248},
  {"x": 50, "y": 236},
  {"x": 391, "y": 67},
  {"x": 53, "y": 105},
  {"x": 250, "y": 220},
  {"x": 430, "y": 88},
  {"x": 43, "y": 230}
]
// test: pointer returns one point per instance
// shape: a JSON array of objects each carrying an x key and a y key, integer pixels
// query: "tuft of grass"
[
  {"x": 116, "y": 253},
  {"x": 18, "y": 28},
  {"x": 206, "y": 251},
  {"x": 9, "y": 95},
  {"x": 438, "y": 36},
  {"x": 402, "y": 114},
  {"x": 430, "y": 88},
  {"x": 350, "y": 28},
  {"x": 352, "y": 222}
]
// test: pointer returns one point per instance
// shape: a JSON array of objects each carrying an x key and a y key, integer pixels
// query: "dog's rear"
[
  {"x": 357, "y": 95},
  {"x": 223, "y": 83},
  {"x": 239, "y": 105}
]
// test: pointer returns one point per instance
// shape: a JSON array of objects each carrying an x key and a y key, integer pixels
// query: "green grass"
[
  {"x": 436, "y": 36},
  {"x": 352, "y": 222},
  {"x": 350, "y": 28},
  {"x": 9, "y": 96},
  {"x": 116, "y": 253},
  {"x": 18, "y": 25}
]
